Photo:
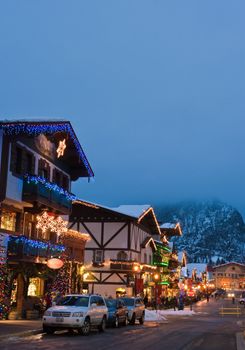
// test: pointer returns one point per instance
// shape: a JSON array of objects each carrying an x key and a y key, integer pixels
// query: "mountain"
[{"x": 213, "y": 232}]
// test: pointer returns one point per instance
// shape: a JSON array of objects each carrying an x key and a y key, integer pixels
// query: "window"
[
  {"x": 19, "y": 160},
  {"x": 122, "y": 256},
  {"x": 93, "y": 300},
  {"x": 44, "y": 169},
  {"x": 98, "y": 256},
  {"x": 100, "y": 301},
  {"x": 8, "y": 220}
]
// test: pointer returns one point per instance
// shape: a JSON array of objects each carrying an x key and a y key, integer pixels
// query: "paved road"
[{"x": 206, "y": 330}]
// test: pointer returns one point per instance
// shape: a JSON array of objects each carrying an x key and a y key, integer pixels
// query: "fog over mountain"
[{"x": 213, "y": 231}]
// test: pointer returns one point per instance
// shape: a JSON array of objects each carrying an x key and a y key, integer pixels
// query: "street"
[{"x": 204, "y": 330}]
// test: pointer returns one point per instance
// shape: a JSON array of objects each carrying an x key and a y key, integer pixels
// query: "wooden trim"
[
  {"x": 122, "y": 279},
  {"x": 104, "y": 280},
  {"x": 4, "y": 167},
  {"x": 129, "y": 236},
  {"x": 115, "y": 234},
  {"x": 92, "y": 236},
  {"x": 108, "y": 283}
]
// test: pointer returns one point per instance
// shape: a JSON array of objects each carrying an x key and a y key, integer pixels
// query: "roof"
[
  {"x": 132, "y": 210},
  {"x": 142, "y": 214},
  {"x": 147, "y": 241},
  {"x": 229, "y": 263},
  {"x": 171, "y": 229},
  {"x": 53, "y": 128}
]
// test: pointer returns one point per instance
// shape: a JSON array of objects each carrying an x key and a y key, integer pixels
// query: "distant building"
[{"x": 229, "y": 276}]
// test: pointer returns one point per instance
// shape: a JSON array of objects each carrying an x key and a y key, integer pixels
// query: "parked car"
[
  {"x": 76, "y": 311},
  {"x": 117, "y": 312},
  {"x": 136, "y": 309},
  {"x": 242, "y": 298}
]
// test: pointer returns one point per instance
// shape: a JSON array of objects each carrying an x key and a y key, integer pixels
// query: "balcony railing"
[
  {"x": 37, "y": 189},
  {"x": 21, "y": 247}
]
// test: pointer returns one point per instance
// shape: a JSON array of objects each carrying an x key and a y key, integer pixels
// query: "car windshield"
[
  {"x": 128, "y": 301},
  {"x": 72, "y": 300},
  {"x": 111, "y": 302}
]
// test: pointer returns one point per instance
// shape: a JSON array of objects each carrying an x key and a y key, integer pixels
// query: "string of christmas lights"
[
  {"x": 49, "y": 128},
  {"x": 36, "y": 244},
  {"x": 50, "y": 186}
]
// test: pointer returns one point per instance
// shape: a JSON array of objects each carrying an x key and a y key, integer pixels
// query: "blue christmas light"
[
  {"x": 50, "y": 186},
  {"x": 37, "y": 244},
  {"x": 49, "y": 128}
]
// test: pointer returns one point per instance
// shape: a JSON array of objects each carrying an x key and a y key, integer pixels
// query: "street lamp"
[
  {"x": 136, "y": 269},
  {"x": 156, "y": 277}
]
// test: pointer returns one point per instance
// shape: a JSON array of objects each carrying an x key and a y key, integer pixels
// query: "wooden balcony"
[
  {"x": 38, "y": 193},
  {"x": 21, "y": 248}
]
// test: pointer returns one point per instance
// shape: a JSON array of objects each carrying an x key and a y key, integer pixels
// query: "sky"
[{"x": 155, "y": 91}]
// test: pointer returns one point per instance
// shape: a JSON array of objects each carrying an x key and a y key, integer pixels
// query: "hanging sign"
[
  {"x": 4, "y": 238},
  {"x": 55, "y": 263}
]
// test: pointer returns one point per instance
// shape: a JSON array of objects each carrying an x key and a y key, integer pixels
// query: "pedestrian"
[
  {"x": 145, "y": 300},
  {"x": 175, "y": 303},
  {"x": 48, "y": 300},
  {"x": 207, "y": 296}
]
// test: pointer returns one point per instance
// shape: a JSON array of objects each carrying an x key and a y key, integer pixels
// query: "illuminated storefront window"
[{"x": 8, "y": 220}]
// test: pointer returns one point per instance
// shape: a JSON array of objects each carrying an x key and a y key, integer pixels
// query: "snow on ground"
[
  {"x": 171, "y": 312},
  {"x": 153, "y": 315},
  {"x": 159, "y": 315}
]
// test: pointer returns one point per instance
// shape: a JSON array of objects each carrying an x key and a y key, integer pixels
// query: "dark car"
[
  {"x": 117, "y": 312},
  {"x": 136, "y": 309}
]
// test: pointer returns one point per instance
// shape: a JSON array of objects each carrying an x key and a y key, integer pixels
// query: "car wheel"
[
  {"x": 132, "y": 321},
  {"x": 85, "y": 329},
  {"x": 125, "y": 322},
  {"x": 116, "y": 323},
  {"x": 48, "y": 330},
  {"x": 102, "y": 325},
  {"x": 142, "y": 319},
  {"x": 241, "y": 302}
]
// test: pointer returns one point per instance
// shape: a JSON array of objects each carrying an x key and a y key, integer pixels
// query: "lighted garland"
[
  {"x": 37, "y": 244},
  {"x": 50, "y": 186},
  {"x": 59, "y": 226},
  {"x": 49, "y": 128},
  {"x": 4, "y": 300}
]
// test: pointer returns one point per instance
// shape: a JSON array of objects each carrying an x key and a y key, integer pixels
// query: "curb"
[
  {"x": 20, "y": 334},
  {"x": 240, "y": 341}
]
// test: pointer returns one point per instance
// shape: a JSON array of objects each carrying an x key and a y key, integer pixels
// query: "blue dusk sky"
[{"x": 155, "y": 91}]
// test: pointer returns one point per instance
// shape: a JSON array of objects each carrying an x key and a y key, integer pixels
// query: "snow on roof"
[
  {"x": 168, "y": 225},
  {"x": 229, "y": 263},
  {"x": 132, "y": 210},
  {"x": 200, "y": 267}
]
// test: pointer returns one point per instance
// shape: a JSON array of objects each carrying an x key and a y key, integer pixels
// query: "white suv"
[{"x": 76, "y": 311}]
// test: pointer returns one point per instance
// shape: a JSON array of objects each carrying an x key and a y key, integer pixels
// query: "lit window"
[
  {"x": 8, "y": 220},
  {"x": 122, "y": 256}
]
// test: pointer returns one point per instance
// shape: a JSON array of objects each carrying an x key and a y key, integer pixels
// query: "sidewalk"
[{"x": 13, "y": 328}]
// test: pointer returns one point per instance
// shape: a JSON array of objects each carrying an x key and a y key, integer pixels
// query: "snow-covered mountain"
[{"x": 212, "y": 231}]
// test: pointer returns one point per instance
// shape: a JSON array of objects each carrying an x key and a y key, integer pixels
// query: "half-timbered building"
[{"x": 119, "y": 256}]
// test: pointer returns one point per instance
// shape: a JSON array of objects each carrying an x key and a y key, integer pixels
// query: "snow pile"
[{"x": 153, "y": 315}]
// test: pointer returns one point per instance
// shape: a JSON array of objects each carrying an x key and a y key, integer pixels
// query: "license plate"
[{"x": 59, "y": 319}]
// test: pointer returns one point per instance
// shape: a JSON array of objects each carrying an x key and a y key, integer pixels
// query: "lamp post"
[
  {"x": 156, "y": 278},
  {"x": 136, "y": 269}
]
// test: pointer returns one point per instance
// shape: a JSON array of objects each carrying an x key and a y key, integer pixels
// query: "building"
[
  {"x": 119, "y": 257},
  {"x": 38, "y": 162},
  {"x": 229, "y": 276}
]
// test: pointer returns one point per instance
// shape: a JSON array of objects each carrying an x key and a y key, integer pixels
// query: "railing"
[
  {"x": 21, "y": 247},
  {"x": 36, "y": 188},
  {"x": 122, "y": 265}
]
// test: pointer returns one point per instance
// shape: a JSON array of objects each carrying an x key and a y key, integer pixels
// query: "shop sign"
[
  {"x": 55, "y": 263},
  {"x": 4, "y": 238}
]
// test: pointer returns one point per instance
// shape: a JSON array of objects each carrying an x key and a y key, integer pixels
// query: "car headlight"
[
  {"x": 77, "y": 314},
  {"x": 47, "y": 313}
]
